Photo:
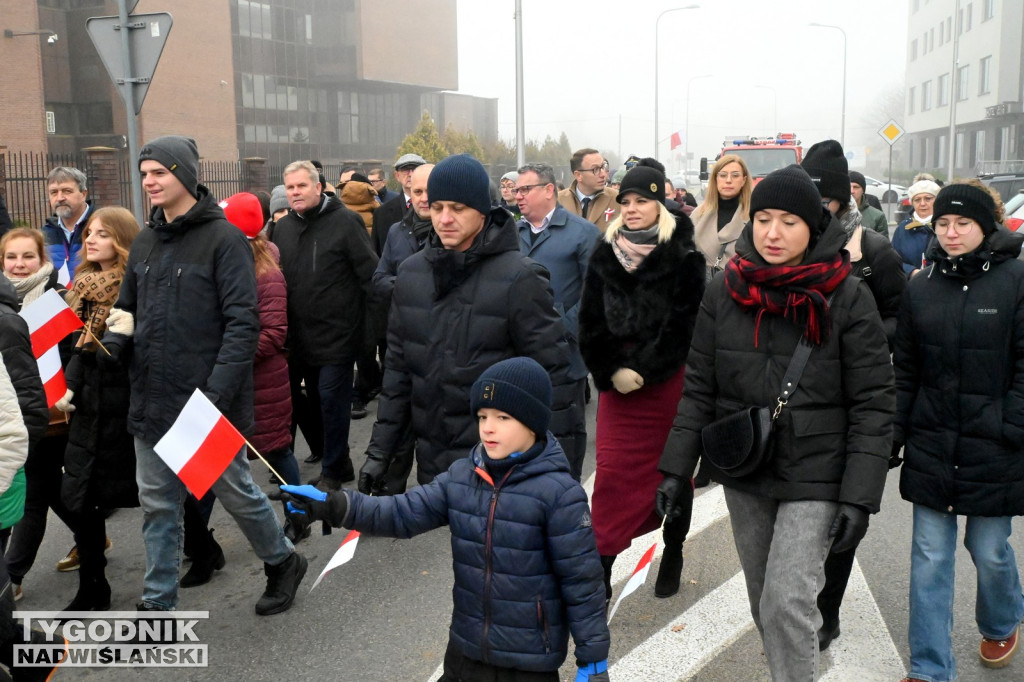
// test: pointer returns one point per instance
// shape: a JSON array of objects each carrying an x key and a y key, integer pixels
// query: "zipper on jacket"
[
  {"x": 314, "y": 255},
  {"x": 542, "y": 621},
  {"x": 484, "y": 646}
]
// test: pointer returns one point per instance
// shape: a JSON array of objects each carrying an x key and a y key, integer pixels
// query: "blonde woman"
[{"x": 720, "y": 218}]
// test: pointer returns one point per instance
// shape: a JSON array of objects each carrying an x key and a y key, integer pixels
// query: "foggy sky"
[{"x": 589, "y": 62}]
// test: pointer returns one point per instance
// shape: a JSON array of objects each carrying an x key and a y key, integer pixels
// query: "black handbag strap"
[{"x": 797, "y": 363}]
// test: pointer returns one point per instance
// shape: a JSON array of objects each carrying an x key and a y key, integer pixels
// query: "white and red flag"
[
  {"x": 200, "y": 444},
  {"x": 635, "y": 580},
  {"x": 676, "y": 140},
  {"x": 342, "y": 556},
  {"x": 49, "y": 320}
]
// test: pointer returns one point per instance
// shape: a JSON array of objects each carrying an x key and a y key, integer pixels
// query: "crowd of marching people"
[{"x": 771, "y": 339}]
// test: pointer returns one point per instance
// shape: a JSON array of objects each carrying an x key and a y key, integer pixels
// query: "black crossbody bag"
[{"x": 741, "y": 443}]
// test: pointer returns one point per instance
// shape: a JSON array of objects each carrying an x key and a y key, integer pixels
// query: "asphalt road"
[{"x": 384, "y": 615}]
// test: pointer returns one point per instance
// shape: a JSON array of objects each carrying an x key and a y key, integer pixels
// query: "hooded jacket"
[
  {"x": 641, "y": 320},
  {"x": 527, "y": 572},
  {"x": 191, "y": 286},
  {"x": 327, "y": 260},
  {"x": 453, "y": 315},
  {"x": 832, "y": 439},
  {"x": 910, "y": 239},
  {"x": 16, "y": 350},
  {"x": 960, "y": 381}
]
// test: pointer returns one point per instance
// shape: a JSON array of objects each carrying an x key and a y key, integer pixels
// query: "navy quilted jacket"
[{"x": 527, "y": 572}]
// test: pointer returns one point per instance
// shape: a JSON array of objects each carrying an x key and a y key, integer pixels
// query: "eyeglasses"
[
  {"x": 725, "y": 175},
  {"x": 596, "y": 170},
  {"x": 525, "y": 189},
  {"x": 962, "y": 226},
  {"x": 374, "y": 181}
]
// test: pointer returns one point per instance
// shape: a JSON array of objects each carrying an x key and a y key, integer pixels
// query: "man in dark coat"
[
  {"x": 188, "y": 303},
  {"x": 467, "y": 300},
  {"x": 327, "y": 260},
  {"x": 392, "y": 210}
]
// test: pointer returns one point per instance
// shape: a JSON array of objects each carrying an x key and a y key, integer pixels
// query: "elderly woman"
[
  {"x": 640, "y": 299},
  {"x": 913, "y": 234},
  {"x": 720, "y": 218},
  {"x": 960, "y": 413},
  {"x": 787, "y": 293}
]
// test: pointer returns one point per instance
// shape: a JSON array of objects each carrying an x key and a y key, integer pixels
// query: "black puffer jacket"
[
  {"x": 526, "y": 565},
  {"x": 832, "y": 440},
  {"x": 960, "y": 381},
  {"x": 16, "y": 349},
  {"x": 99, "y": 463},
  {"x": 327, "y": 260},
  {"x": 881, "y": 268},
  {"x": 641, "y": 320},
  {"x": 453, "y": 315},
  {"x": 191, "y": 286}
]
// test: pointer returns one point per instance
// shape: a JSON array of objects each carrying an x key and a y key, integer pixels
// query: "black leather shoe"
[
  {"x": 282, "y": 584},
  {"x": 314, "y": 458},
  {"x": 826, "y": 634},
  {"x": 204, "y": 564}
]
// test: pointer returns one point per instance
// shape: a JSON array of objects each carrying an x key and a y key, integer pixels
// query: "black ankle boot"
[
  {"x": 606, "y": 564},
  {"x": 93, "y": 594},
  {"x": 204, "y": 563},
  {"x": 669, "y": 573}
]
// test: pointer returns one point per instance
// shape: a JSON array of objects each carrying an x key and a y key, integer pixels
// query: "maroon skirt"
[{"x": 631, "y": 434}]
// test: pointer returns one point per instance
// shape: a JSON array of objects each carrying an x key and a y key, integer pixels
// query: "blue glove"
[
  {"x": 306, "y": 503},
  {"x": 593, "y": 672}
]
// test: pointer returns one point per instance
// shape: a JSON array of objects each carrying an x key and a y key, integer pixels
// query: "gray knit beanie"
[{"x": 179, "y": 155}]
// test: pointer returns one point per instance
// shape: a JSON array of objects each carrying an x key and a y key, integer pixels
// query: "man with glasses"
[
  {"x": 379, "y": 181},
  {"x": 562, "y": 243},
  {"x": 393, "y": 211},
  {"x": 588, "y": 196}
]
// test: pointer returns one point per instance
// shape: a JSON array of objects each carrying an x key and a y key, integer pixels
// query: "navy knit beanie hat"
[
  {"x": 179, "y": 155},
  {"x": 967, "y": 201},
  {"x": 519, "y": 387},
  {"x": 826, "y": 163},
  {"x": 790, "y": 189},
  {"x": 461, "y": 179}
]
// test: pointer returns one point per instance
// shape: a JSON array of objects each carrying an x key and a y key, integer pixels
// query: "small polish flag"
[
  {"x": 63, "y": 275},
  {"x": 635, "y": 580},
  {"x": 342, "y": 556},
  {"x": 200, "y": 444},
  {"x": 52, "y": 375},
  {"x": 49, "y": 320}
]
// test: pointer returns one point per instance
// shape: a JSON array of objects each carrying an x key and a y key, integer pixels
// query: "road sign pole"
[
  {"x": 889, "y": 193},
  {"x": 128, "y": 95}
]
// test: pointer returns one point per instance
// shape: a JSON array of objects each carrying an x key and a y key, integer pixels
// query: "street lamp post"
[
  {"x": 842, "y": 129},
  {"x": 656, "y": 24},
  {"x": 687, "y": 147}
]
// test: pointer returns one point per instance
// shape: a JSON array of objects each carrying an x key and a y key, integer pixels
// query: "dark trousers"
[
  {"x": 578, "y": 449},
  {"x": 838, "y": 566},
  {"x": 91, "y": 537},
  {"x": 368, "y": 375},
  {"x": 397, "y": 476},
  {"x": 458, "y": 668},
  {"x": 330, "y": 388},
  {"x": 43, "y": 474}
]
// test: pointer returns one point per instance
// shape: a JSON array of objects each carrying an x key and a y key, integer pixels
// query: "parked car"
[
  {"x": 1007, "y": 184},
  {"x": 1014, "y": 211},
  {"x": 886, "y": 194}
]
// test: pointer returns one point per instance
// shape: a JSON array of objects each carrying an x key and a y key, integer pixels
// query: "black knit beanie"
[
  {"x": 179, "y": 155},
  {"x": 643, "y": 180},
  {"x": 967, "y": 201},
  {"x": 858, "y": 178},
  {"x": 461, "y": 179},
  {"x": 519, "y": 387},
  {"x": 790, "y": 189},
  {"x": 828, "y": 168}
]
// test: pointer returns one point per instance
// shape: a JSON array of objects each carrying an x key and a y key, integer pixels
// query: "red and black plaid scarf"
[{"x": 797, "y": 292}]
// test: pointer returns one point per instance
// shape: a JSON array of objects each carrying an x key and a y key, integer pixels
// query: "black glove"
[
  {"x": 848, "y": 527},
  {"x": 305, "y": 504},
  {"x": 110, "y": 360},
  {"x": 894, "y": 457},
  {"x": 665, "y": 498},
  {"x": 371, "y": 475}
]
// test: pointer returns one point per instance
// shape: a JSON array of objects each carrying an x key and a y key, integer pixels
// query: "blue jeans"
[
  {"x": 162, "y": 495},
  {"x": 999, "y": 607}
]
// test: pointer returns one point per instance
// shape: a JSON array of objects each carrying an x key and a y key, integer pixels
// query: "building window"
[
  {"x": 960, "y": 21},
  {"x": 942, "y": 34},
  {"x": 943, "y": 89},
  {"x": 984, "y": 74},
  {"x": 949, "y": 29},
  {"x": 940, "y": 151},
  {"x": 979, "y": 146},
  {"x": 917, "y": 5},
  {"x": 931, "y": 39},
  {"x": 989, "y": 10},
  {"x": 254, "y": 19},
  {"x": 958, "y": 151},
  {"x": 926, "y": 96},
  {"x": 962, "y": 82},
  {"x": 913, "y": 49},
  {"x": 969, "y": 16},
  {"x": 910, "y": 100},
  {"x": 348, "y": 117},
  {"x": 1007, "y": 148}
]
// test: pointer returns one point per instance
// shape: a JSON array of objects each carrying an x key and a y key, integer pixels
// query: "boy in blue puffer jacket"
[{"x": 527, "y": 572}]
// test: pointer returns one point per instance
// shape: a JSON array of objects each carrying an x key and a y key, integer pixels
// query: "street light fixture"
[
  {"x": 51, "y": 37},
  {"x": 688, "y": 83},
  {"x": 656, "y": 23},
  {"x": 842, "y": 129}
]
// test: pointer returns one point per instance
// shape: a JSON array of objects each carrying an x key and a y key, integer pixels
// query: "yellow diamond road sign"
[{"x": 891, "y": 132}]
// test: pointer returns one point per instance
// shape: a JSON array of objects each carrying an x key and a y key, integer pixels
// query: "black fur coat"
[{"x": 641, "y": 320}]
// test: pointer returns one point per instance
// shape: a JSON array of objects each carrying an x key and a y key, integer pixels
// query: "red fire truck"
[{"x": 761, "y": 154}]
